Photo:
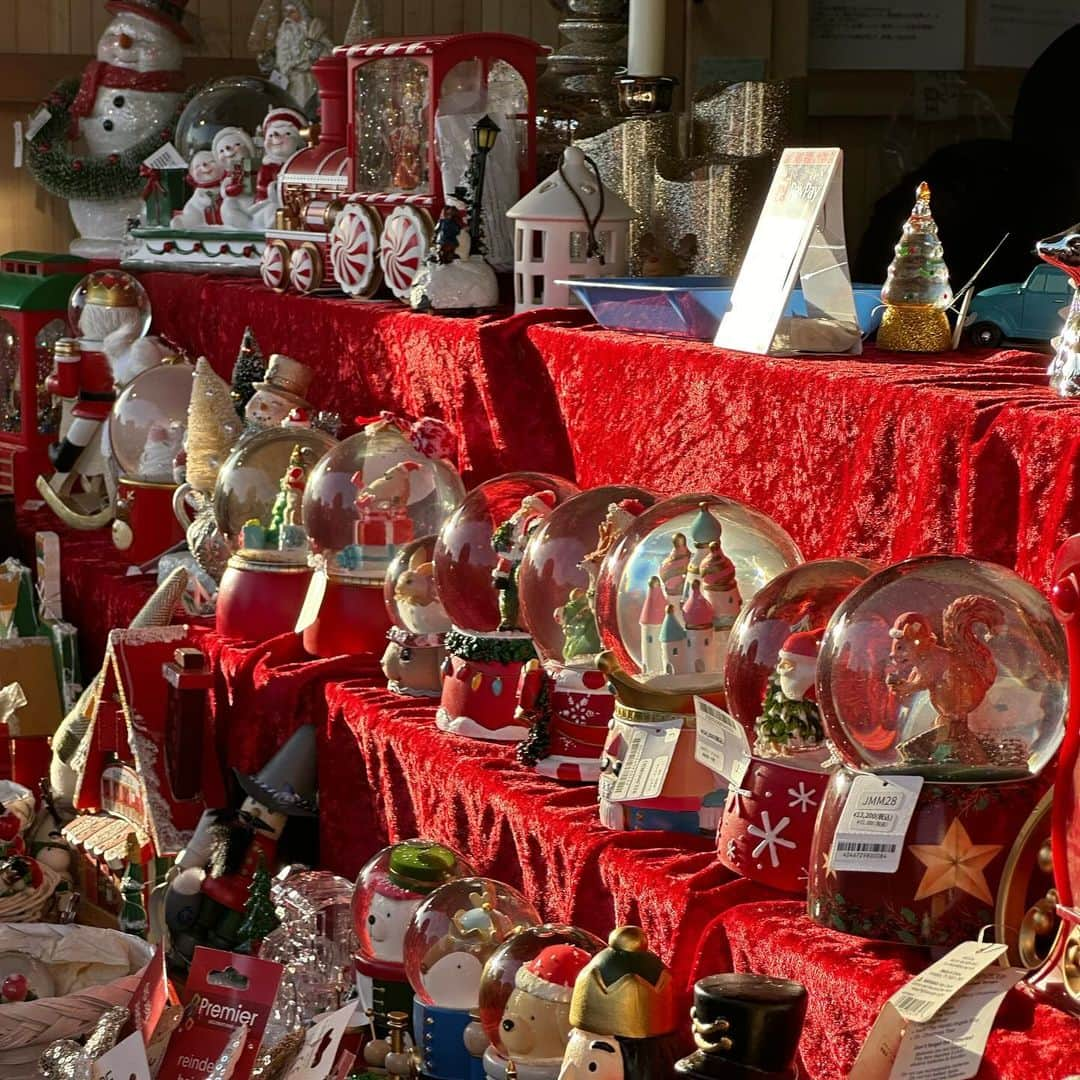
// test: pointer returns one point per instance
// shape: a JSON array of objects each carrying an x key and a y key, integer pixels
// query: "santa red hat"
[
  {"x": 803, "y": 645},
  {"x": 550, "y": 975},
  {"x": 544, "y": 498},
  {"x": 298, "y": 417},
  {"x": 411, "y": 466},
  {"x": 631, "y": 506},
  {"x": 287, "y": 116}
]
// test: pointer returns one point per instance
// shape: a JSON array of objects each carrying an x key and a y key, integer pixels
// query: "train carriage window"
[
  {"x": 10, "y": 412},
  {"x": 391, "y": 122},
  {"x": 48, "y": 408}
]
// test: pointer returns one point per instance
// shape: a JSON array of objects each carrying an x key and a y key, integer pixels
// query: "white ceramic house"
[{"x": 551, "y": 233}]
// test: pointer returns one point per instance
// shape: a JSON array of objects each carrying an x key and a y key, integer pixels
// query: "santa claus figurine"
[
  {"x": 281, "y": 139},
  {"x": 509, "y": 541},
  {"x": 205, "y": 174},
  {"x": 301, "y": 40},
  {"x": 790, "y": 722}
]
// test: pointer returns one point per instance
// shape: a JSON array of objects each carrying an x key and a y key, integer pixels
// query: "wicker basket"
[
  {"x": 96, "y": 968},
  {"x": 30, "y": 904}
]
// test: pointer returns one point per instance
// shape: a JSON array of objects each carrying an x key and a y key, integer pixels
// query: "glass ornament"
[
  {"x": 114, "y": 299},
  {"x": 148, "y": 422},
  {"x": 412, "y": 600},
  {"x": 454, "y": 932},
  {"x": 944, "y": 667}
]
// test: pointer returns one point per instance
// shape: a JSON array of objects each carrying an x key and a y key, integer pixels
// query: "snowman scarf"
[{"x": 98, "y": 73}]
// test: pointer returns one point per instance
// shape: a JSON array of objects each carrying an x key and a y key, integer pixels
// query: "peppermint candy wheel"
[
  {"x": 306, "y": 268},
  {"x": 405, "y": 243},
  {"x": 274, "y": 265},
  {"x": 354, "y": 247}
]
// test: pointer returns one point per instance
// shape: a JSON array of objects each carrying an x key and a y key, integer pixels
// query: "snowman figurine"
[
  {"x": 204, "y": 176},
  {"x": 235, "y": 150},
  {"x": 280, "y": 393},
  {"x": 281, "y": 139}
]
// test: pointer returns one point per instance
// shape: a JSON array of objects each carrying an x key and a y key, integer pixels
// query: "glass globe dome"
[
  {"x": 412, "y": 601},
  {"x": 149, "y": 420},
  {"x": 105, "y": 300},
  {"x": 525, "y": 991},
  {"x": 944, "y": 667},
  {"x": 373, "y": 493},
  {"x": 559, "y": 569},
  {"x": 389, "y": 889},
  {"x": 769, "y": 674},
  {"x": 240, "y": 101},
  {"x": 250, "y": 479},
  {"x": 670, "y": 589},
  {"x": 454, "y": 932},
  {"x": 465, "y": 556}
]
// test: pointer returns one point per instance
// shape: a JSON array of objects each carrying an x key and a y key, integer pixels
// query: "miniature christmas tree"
[
  {"x": 250, "y": 367},
  {"x": 213, "y": 426},
  {"x": 132, "y": 917},
  {"x": 786, "y": 726},
  {"x": 260, "y": 918},
  {"x": 365, "y": 23},
  {"x": 916, "y": 292}
]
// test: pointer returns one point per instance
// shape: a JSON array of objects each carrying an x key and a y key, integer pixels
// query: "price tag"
[
  {"x": 279, "y": 80},
  {"x": 874, "y": 822},
  {"x": 36, "y": 123},
  {"x": 166, "y": 157},
  {"x": 928, "y": 991},
  {"x": 645, "y": 764},
  {"x": 722, "y": 744},
  {"x": 309, "y": 612},
  {"x": 18, "y": 144},
  {"x": 125, "y": 1061}
]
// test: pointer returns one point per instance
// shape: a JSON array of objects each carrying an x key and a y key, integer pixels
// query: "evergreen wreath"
[
  {"x": 68, "y": 175},
  {"x": 482, "y": 649}
]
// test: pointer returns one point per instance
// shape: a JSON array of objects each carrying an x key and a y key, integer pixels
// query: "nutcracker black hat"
[
  {"x": 169, "y": 13},
  {"x": 746, "y": 1027},
  {"x": 287, "y": 783}
]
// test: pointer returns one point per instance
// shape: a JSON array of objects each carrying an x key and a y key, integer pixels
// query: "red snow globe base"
[
  {"x": 581, "y": 707},
  {"x": 145, "y": 525},
  {"x": 352, "y": 621},
  {"x": 953, "y": 856},
  {"x": 257, "y": 601}
]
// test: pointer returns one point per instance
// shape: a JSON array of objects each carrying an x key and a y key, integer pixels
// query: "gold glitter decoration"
[
  {"x": 625, "y": 155},
  {"x": 915, "y": 329},
  {"x": 66, "y": 1059},
  {"x": 743, "y": 119},
  {"x": 274, "y": 1062}
]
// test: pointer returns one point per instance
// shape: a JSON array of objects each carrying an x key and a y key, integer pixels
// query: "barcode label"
[
  {"x": 870, "y": 834},
  {"x": 915, "y": 1007},
  {"x": 852, "y": 846}
]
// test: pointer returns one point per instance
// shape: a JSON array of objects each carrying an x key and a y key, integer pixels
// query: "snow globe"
[
  {"x": 667, "y": 597},
  {"x": 258, "y": 503},
  {"x": 451, "y": 936},
  {"x": 369, "y": 496},
  {"x": 770, "y": 683},
  {"x": 942, "y": 684},
  {"x": 477, "y": 563},
  {"x": 414, "y": 653},
  {"x": 146, "y": 433},
  {"x": 564, "y": 696},
  {"x": 389, "y": 889},
  {"x": 525, "y": 993}
]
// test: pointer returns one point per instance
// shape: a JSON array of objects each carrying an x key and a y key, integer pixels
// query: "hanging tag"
[
  {"x": 36, "y": 123},
  {"x": 928, "y": 991},
  {"x": 316, "y": 1058},
  {"x": 309, "y": 612},
  {"x": 645, "y": 765},
  {"x": 125, "y": 1061},
  {"x": 166, "y": 157},
  {"x": 877, "y": 812},
  {"x": 722, "y": 744},
  {"x": 279, "y": 80},
  {"x": 18, "y": 144}
]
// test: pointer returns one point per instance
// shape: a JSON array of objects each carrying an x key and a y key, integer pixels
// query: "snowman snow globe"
[
  {"x": 564, "y": 696},
  {"x": 770, "y": 683},
  {"x": 389, "y": 889},
  {"x": 414, "y": 653},
  {"x": 942, "y": 683},
  {"x": 525, "y": 993},
  {"x": 367, "y": 498},
  {"x": 667, "y": 597},
  {"x": 452, "y": 935},
  {"x": 477, "y": 564}
]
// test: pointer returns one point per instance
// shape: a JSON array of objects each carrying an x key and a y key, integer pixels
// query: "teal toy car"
[{"x": 1027, "y": 312}]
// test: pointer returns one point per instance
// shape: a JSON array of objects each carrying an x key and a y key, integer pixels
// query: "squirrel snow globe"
[
  {"x": 477, "y": 563},
  {"x": 367, "y": 498},
  {"x": 769, "y": 679},
  {"x": 943, "y": 682},
  {"x": 667, "y": 597},
  {"x": 525, "y": 993},
  {"x": 389, "y": 889},
  {"x": 565, "y": 699},
  {"x": 450, "y": 938},
  {"x": 414, "y": 653},
  {"x": 258, "y": 503}
]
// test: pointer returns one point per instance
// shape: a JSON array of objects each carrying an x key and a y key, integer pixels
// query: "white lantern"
[{"x": 569, "y": 226}]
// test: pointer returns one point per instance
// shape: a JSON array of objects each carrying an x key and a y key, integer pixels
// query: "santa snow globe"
[
  {"x": 769, "y": 681},
  {"x": 477, "y": 563},
  {"x": 389, "y": 889},
  {"x": 367, "y": 498},
  {"x": 667, "y": 597},
  {"x": 525, "y": 993},
  {"x": 942, "y": 684},
  {"x": 564, "y": 696},
  {"x": 258, "y": 503},
  {"x": 414, "y": 653},
  {"x": 451, "y": 936}
]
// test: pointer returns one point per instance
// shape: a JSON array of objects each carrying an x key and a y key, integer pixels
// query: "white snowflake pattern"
[
  {"x": 802, "y": 797},
  {"x": 731, "y": 850},
  {"x": 770, "y": 837},
  {"x": 578, "y": 710}
]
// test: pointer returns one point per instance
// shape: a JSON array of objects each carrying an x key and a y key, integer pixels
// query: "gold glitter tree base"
[{"x": 915, "y": 329}]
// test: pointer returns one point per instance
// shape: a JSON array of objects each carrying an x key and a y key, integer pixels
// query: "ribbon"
[
  {"x": 153, "y": 182},
  {"x": 99, "y": 73}
]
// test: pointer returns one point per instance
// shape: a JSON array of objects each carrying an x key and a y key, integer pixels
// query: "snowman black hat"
[
  {"x": 287, "y": 783},
  {"x": 167, "y": 13}
]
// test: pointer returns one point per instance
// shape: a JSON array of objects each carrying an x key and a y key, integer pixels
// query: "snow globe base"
[
  {"x": 915, "y": 329},
  {"x": 953, "y": 857},
  {"x": 412, "y": 664},
  {"x": 258, "y": 600},
  {"x": 352, "y": 621},
  {"x": 442, "y": 1044},
  {"x": 101, "y": 224},
  {"x": 145, "y": 525},
  {"x": 218, "y": 250}
]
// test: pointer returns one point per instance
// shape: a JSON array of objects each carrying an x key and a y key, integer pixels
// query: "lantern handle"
[{"x": 592, "y": 246}]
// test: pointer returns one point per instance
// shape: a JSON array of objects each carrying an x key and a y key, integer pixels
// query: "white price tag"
[
  {"x": 309, "y": 612},
  {"x": 166, "y": 157},
  {"x": 279, "y": 80},
  {"x": 928, "y": 991},
  {"x": 874, "y": 822},
  {"x": 316, "y": 1058},
  {"x": 649, "y": 750},
  {"x": 125, "y": 1061},
  {"x": 36, "y": 123},
  {"x": 722, "y": 744},
  {"x": 18, "y": 144}
]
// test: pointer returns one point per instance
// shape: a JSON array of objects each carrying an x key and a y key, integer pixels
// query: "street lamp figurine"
[{"x": 485, "y": 132}]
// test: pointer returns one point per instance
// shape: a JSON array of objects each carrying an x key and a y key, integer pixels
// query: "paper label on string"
[
  {"x": 309, "y": 612},
  {"x": 645, "y": 765},
  {"x": 18, "y": 144},
  {"x": 316, "y": 1058},
  {"x": 722, "y": 744},
  {"x": 125, "y": 1061},
  {"x": 874, "y": 822},
  {"x": 36, "y": 123},
  {"x": 166, "y": 157},
  {"x": 279, "y": 80},
  {"x": 928, "y": 991}
]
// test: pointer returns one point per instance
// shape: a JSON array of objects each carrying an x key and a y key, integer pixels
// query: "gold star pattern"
[{"x": 955, "y": 863}]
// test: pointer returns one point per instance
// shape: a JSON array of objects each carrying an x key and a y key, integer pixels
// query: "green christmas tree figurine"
[
  {"x": 132, "y": 918},
  {"x": 260, "y": 918},
  {"x": 917, "y": 292},
  {"x": 250, "y": 367}
]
